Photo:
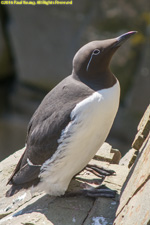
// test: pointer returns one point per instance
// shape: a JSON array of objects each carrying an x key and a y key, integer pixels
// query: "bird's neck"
[{"x": 99, "y": 81}]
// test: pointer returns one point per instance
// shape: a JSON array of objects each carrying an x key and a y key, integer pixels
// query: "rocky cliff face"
[
  {"x": 131, "y": 183},
  {"x": 134, "y": 207},
  {"x": 36, "y": 53}
]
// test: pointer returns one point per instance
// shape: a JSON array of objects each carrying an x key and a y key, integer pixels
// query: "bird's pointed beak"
[{"x": 122, "y": 38}]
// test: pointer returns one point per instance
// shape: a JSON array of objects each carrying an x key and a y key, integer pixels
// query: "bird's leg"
[
  {"x": 99, "y": 171},
  {"x": 90, "y": 191},
  {"x": 100, "y": 191}
]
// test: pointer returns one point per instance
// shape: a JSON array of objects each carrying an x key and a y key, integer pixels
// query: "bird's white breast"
[{"x": 91, "y": 121}]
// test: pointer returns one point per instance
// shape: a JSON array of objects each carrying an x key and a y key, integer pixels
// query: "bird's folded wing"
[{"x": 45, "y": 129}]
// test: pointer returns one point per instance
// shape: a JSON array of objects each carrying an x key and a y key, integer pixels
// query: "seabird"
[{"x": 72, "y": 121}]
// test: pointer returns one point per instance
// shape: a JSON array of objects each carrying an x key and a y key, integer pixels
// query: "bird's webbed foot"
[
  {"x": 100, "y": 191},
  {"x": 99, "y": 171}
]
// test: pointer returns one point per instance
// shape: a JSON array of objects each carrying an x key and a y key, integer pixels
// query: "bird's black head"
[{"x": 92, "y": 60}]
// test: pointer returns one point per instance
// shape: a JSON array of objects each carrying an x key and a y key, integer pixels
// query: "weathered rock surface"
[
  {"x": 129, "y": 158},
  {"x": 134, "y": 207},
  {"x": 143, "y": 130},
  {"x": 108, "y": 154},
  {"x": 23, "y": 208}
]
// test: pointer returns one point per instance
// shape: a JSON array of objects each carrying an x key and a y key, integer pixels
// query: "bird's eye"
[{"x": 96, "y": 52}]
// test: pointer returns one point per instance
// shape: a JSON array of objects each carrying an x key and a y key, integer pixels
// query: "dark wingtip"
[
  {"x": 13, "y": 190},
  {"x": 17, "y": 187}
]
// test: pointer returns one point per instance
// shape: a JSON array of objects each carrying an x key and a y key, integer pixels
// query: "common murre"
[{"x": 72, "y": 121}]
